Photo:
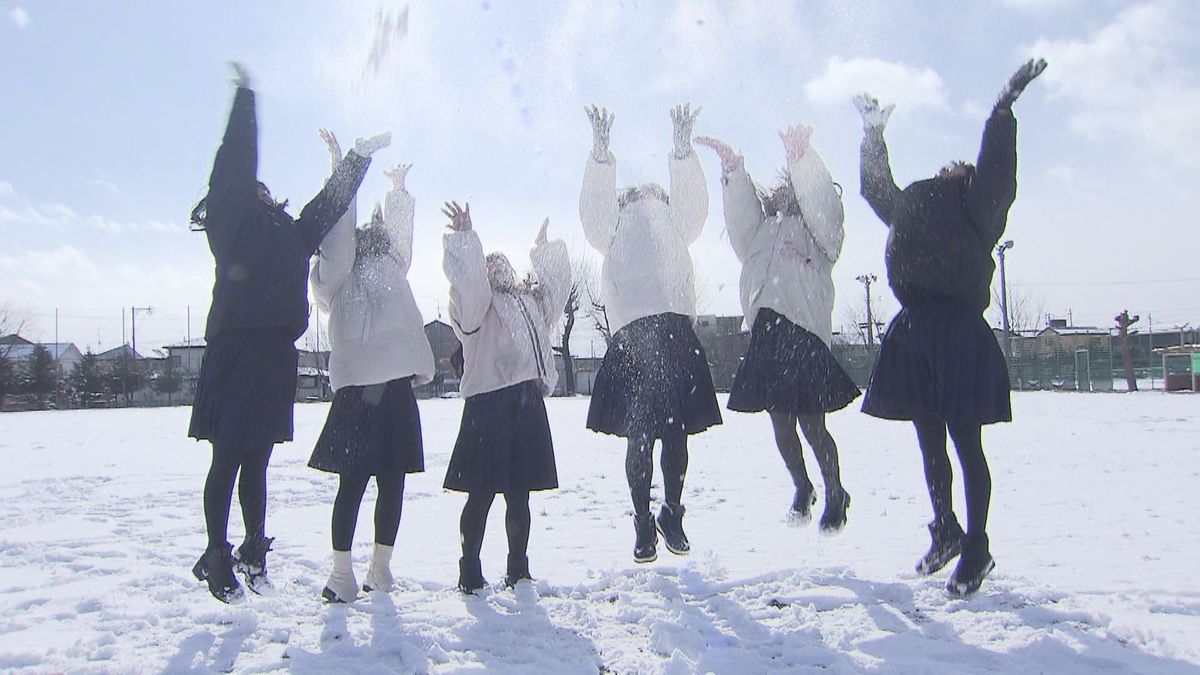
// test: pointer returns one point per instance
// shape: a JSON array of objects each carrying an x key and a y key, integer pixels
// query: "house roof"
[
  {"x": 14, "y": 339},
  {"x": 1076, "y": 330},
  {"x": 17, "y": 352},
  {"x": 194, "y": 343},
  {"x": 118, "y": 352}
]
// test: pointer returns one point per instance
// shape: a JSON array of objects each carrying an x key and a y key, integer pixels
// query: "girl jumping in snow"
[
  {"x": 788, "y": 239},
  {"x": 654, "y": 382},
  {"x": 247, "y": 381},
  {"x": 378, "y": 353},
  {"x": 939, "y": 365},
  {"x": 504, "y": 445}
]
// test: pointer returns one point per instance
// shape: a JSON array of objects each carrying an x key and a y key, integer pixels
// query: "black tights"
[
  {"x": 939, "y": 477},
  {"x": 818, "y": 436},
  {"x": 387, "y": 508},
  {"x": 227, "y": 462},
  {"x": 639, "y": 469},
  {"x": 516, "y": 522}
]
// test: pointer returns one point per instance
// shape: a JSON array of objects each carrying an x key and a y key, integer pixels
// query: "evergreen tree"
[
  {"x": 169, "y": 381},
  {"x": 87, "y": 378},
  {"x": 40, "y": 375}
]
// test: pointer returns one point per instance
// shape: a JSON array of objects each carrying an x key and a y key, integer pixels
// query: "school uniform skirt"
[
  {"x": 371, "y": 430},
  {"x": 246, "y": 390},
  {"x": 940, "y": 361},
  {"x": 654, "y": 381},
  {"x": 788, "y": 369},
  {"x": 503, "y": 443}
]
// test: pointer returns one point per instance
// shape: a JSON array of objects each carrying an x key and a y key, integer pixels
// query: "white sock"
[
  {"x": 341, "y": 580},
  {"x": 379, "y": 576}
]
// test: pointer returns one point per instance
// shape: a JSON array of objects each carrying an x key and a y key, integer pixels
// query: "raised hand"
[
  {"x": 873, "y": 116},
  {"x": 365, "y": 147},
  {"x": 731, "y": 160},
  {"x": 796, "y": 140},
  {"x": 460, "y": 218},
  {"x": 1017, "y": 83},
  {"x": 398, "y": 174},
  {"x": 541, "y": 235},
  {"x": 602, "y": 121},
  {"x": 331, "y": 142},
  {"x": 241, "y": 78},
  {"x": 684, "y": 118}
]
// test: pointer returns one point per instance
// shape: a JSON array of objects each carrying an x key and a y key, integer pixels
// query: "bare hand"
[
  {"x": 730, "y": 159},
  {"x": 684, "y": 118},
  {"x": 602, "y": 121},
  {"x": 241, "y": 78},
  {"x": 873, "y": 116},
  {"x": 796, "y": 139},
  {"x": 365, "y": 147},
  {"x": 331, "y": 142},
  {"x": 1020, "y": 79},
  {"x": 398, "y": 174},
  {"x": 460, "y": 218},
  {"x": 541, "y": 235}
]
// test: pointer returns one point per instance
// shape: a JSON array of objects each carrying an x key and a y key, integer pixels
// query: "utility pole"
[
  {"x": 867, "y": 280},
  {"x": 1004, "y": 298},
  {"x": 1124, "y": 321},
  {"x": 133, "y": 312}
]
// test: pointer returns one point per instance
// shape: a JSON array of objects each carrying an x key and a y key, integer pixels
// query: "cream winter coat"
[
  {"x": 376, "y": 331},
  {"x": 787, "y": 260},
  {"x": 647, "y": 267},
  {"x": 505, "y": 334}
]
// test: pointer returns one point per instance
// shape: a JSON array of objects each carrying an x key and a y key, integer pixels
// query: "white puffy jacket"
[
  {"x": 647, "y": 267},
  {"x": 787, "y": 261},
  {"x": 376, "y": 332},
  {"x": 505, "y": 334}
]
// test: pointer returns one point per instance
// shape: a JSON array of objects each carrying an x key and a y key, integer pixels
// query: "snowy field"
[{"x": 1093, "y": 529}]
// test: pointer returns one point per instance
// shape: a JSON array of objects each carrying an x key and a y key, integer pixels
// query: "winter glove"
[
  {"x": 796, "y": 140},
  {"x": 602, "y": 121},
  {"x": 398, "y": 175},
  {"x": 730, "y": 159},
  {"x": 365, "y": 147},
  {"x": 684, "y": 118},
  {"x": 873, "y": 116},
  {"x": 241, "y": 78},
  {"x": 460, "y": 218},
  {"x": 1017, "y": 83},
  {"x": 331, "y": 142}
]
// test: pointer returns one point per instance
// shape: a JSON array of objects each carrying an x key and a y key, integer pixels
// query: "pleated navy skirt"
[
  {"x": 371, "y": 430},
  {"x": 246, "y": 390},
  {"x": 503, "y": 443},
  {"x": 940, "y": 361},
  {"x": 788, "y": 369},
  {"x": 654, "y": 381}
]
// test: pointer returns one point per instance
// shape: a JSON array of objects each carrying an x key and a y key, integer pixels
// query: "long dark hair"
[{"x": 200, "y": 210}]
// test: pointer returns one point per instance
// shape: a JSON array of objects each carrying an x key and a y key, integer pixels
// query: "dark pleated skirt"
[
  {"x": 246, "y": 390},
  {"x": 940, "y": 361},
  {"x": 788, "y": 369},
  {"x": 503, "y": 443},
  {"x": 371, "y": 432},
  {"x": 654, "y": 381}
]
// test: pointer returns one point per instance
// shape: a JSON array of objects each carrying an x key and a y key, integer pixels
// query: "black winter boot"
[
  {"x": 947, "y": 536},
  {"x": 802, "y": 502},
  {"x": 670, "y": 524},
  {"x": 646, "y": 548},
  {"x": 216, "y": 567},
  {"x": 833, "y": 520},
  {"x": 250, "y": 561},
  {"x": 518, "y": 569},
  {"x": 973, "y": 567},
  {"x": 470, "y": 575}
]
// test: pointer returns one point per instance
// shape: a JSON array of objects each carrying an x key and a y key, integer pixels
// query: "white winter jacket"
[
  {"x": 787, "y": 261},
  {"x": 647, "y": 267},
  {"x": 376, "y": 332},
  {"x": 505, "y": 334}
]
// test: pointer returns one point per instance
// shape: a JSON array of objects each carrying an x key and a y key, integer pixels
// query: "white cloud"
[
  {"x": 6, "y": 189},
  {"x": 1130, "y": 78},
  {"x": 106, "y": 185},
  {"x": 63, "y": 216},
  {"x": 65, "y": 259},
  {"x": 907, "y": 86},
  {"x": 20, "y": 17}
]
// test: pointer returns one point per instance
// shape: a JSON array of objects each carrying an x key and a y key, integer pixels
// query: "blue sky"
[{"x": 112, "y": 112}]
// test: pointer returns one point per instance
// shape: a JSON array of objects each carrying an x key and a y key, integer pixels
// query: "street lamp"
[
  {"x": 866, "y": 280},
  {"x": 1004, "y": 297}
]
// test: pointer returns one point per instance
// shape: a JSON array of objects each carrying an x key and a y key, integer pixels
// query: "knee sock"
[
  {"x": 345, "y": 509},
  {"x": 639, "y": 471},
  {"x": 674, "y": 463},
  {"x": 977, "y": 478}
]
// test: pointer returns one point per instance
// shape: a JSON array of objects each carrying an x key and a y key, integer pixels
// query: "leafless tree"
[
  {"x": 582, "y": 276},
  {"x": 1025, "y": 310},
  {"x": 854, "y": 317}
]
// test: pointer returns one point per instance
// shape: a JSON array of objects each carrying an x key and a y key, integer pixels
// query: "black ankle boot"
[
  {"x": 250, "y": 561},
  {"x": 670, "y": 524},
  {"x": 215, "y": 566},
  {"x": 646, "y": 548},
  {"x": 802, "y": 502},
  {"x": 973, "y": 566},
  {"x": 470, "y": 575},
  {"x": 947, "y": 541},
  {"x": 833, "y": 520},
  {"x": 518, "y": 569}
]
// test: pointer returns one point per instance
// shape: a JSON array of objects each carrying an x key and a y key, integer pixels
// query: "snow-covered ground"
[{"x": 1093, "y": 527}]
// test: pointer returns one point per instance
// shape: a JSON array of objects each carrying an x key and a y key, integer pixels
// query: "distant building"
[
  {"x": 725, "y": 344},
  {"x": 443, "y": 342}
]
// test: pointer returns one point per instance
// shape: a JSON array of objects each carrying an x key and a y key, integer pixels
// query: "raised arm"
[
  {"x": 552, "y": 266},
  {"x": 320, "y": 215},
  {"x": 820, "y": 203},
  {"x": 743, "y": 207},
  {"x": 689, "y": 191},
  {"x": 335, "y": 258},
  {"x": 232, "y": 186},
  {"x": 398, "y": 209},
  {"x": 466, "y": 270},
  {"x": 878, "y": 186},
  {"x": 598, "y": 211}
]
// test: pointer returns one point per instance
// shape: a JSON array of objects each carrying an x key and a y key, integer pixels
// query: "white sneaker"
[
  {"x": 379, "y": 575},
  {"x": 342, "y": 586}
]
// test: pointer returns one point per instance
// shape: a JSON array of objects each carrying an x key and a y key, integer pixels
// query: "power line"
[{"x": 1142, "y": 282}]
